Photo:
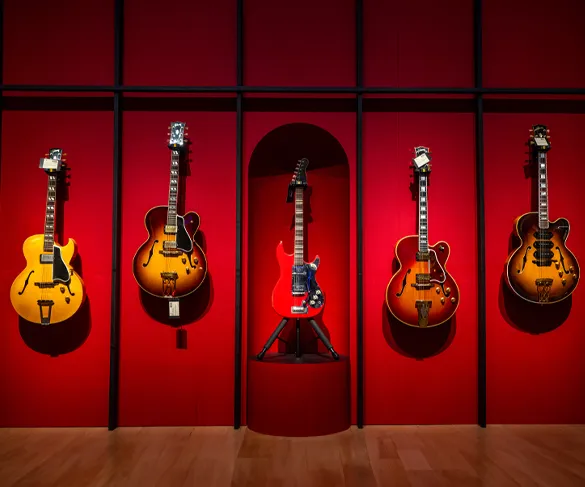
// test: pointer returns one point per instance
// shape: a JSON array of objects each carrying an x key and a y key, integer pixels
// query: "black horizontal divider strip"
[
  {"x": 229, "y": 104},
  {"x": 296, "y": 89}
]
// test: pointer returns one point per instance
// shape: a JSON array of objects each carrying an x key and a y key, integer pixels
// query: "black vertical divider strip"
[
  {"x": 116, "y": 226},
  {"x": 239, "y": 130},
  {"x": 359, "y": 157},
  {"x": 1, "y": 75},
  {"x": 479, "y": 178}
]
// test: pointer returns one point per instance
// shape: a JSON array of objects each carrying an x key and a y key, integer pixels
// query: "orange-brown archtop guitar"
[
  {"x": 170, "y": 264},
  {"x": 48, "y": 290},
  {"x": 542, "y": 269},
  {"x": 297, "y": 294},
  {"x": 422, "y": 293}
]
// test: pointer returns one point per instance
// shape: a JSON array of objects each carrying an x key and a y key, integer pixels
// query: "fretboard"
[
  {"x": 542, "y": 191},
  {"x": 298, "y": 256},
  {"x": 49, "y": 240},
  {"x": 423, "y": 243},
  {"x": 173, "y": 189}
]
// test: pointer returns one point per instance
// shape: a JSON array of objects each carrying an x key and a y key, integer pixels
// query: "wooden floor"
[{"x": 426, "y": 456}]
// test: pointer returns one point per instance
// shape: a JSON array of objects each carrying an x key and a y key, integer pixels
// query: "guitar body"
[
  {"x": 169, "y": 273},
  {"x": 426, "y": 306},
  {"x": 47, "y": 293},
  {"x": 283, "y": 300},
  {"x": 531, "y": 273}
]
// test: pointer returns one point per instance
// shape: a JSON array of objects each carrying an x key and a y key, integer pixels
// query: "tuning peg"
[
  {"x": 532, "y": 136},
  {"x": 547, "y": 131},
  {"x": 531, "y": 130}
]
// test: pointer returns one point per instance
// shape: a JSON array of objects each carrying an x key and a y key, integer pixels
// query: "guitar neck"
[
  {"x": 423, "y": 243},
  {"x": 299, "y": 240},
  {"x": 173, "y": 189},
  {"x": 49, "y": 235},
  {"x": 542, "y": 190}
]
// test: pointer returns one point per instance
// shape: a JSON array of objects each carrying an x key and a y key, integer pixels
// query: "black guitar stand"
[{"x": 320, "y": 335}]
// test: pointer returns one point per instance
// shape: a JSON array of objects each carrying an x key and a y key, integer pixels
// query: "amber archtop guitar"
[
  {"x": 422, "y": 293},
  {"x": 170, "y": 264},
  {"x": 297, "y": 294},
  {"x": 48, "y": 290},
  {"x": 542, "y": 269}
]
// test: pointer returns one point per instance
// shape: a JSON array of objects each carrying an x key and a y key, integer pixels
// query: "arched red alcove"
[{"x": 317, "y": 385}]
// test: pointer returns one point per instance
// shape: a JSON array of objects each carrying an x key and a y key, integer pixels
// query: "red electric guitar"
[{"x": 297, "y": 294}]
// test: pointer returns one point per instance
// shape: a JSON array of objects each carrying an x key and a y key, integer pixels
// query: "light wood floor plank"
[{"x": 398, "y": 456}]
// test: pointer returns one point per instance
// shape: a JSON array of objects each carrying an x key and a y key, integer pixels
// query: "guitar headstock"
[
  {"x": 422, "y": 160},
  {"x": 177, "y": 135},
  {"x": 539, "y": 138},
  {"x": 299, "y": 179},
  {"x": 53, "y": 161}
]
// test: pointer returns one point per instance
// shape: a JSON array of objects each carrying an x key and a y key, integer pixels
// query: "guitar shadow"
[
  {"x": 58, "y": 338},
  {"x": 531, "y": 317},
  {"x": 417, "y": 343}
]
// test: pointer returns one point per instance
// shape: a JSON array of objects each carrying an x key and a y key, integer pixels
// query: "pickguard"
[
  {"x": 60, "y": 269},
  {"x": 443, "y": 273},
  {"x": 315, "y": 297},
  {"x": 184, "y": 241}
]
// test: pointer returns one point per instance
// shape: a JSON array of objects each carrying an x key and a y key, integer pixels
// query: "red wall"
[
  {"x": 161, "y": 384},
  {"x": 179, "y": 43},
  {"x": 63, "y": 42},
  {"x": 413, "y": 375},
  {"x": 339, "y": 314},
  {"x": 299, "y": 43},
  {"x": 533, "y": 44},
  {"x": 535, "y": 374},
  {"x": 70, "y": 388},
  {"x": 422, "y": 43}
]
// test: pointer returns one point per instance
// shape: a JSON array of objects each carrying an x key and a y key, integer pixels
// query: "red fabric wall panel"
[
  {"x": 536, "y": 373},
  {"x": 420, "y": 43},
  {"x": 59, "y": 42},
  {"x": 419, "y": 376},
  {"x": 161, "y": 384},
  {"x": 180, "y": 43},
  {"x": 57, "y": 375},
  {"x": 302, "y": 43},
  {"x": 336, "y": 276},
  {"x": 533, "y": 44}
]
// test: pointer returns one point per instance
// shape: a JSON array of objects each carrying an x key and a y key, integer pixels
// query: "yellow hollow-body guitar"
[{"x": 48, "y": 290}]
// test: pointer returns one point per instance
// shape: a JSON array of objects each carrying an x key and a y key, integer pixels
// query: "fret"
[
  {"x": 422, "y": 213},
  {"x": 543, "y": 191},
  {"x": 173, "y": 189},
  {"x": 298, "y": 246},
  {"x": 49, "y": 233}
]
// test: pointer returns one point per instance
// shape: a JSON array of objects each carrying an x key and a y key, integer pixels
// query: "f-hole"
[
  {"x": 524, "y": 259},
  {"x": 403, "y": 283}
]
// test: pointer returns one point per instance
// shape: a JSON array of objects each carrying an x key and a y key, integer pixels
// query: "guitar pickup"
[
  {"x": 298, "y": 309},
  {"x": 169, "y": 245},
  {"x": 170, "y": 229},
  {"x": 46, "y": 258}
]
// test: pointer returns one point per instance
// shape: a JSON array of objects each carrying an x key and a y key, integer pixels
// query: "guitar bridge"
[
  {"x": 423, "y": 308},
  {"x": 543, "y": 286},
  {"x": 169, "y": 283},
  {"x": 45, "y": 308},
  {"x": 298, "y": 309}
]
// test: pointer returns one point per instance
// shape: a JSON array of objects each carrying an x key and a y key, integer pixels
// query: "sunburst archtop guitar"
[
  {"x": 48, "y": 290},
  {"x": 542, "y": 269},
  {"x": 170, "y": 264},
  {"x": 422, "y": 293},
  {"x": 297, "y": 294}
]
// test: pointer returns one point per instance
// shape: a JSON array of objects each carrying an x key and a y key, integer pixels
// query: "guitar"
[
  {"x": 48, "y": 290},
  {"x": 422, "y": 293},
  {"x": 542, "y": 269},
  {"x": 170, "y": 264},
  {"x": 297, "y": 294}
]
